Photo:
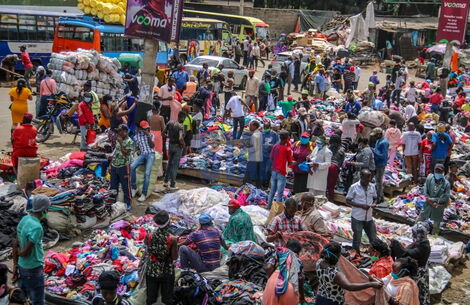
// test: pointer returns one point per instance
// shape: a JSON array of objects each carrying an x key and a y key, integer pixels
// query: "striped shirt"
[{"x": 207, "y": 240}]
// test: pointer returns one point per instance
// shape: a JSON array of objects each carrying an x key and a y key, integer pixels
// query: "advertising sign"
[
  {"x": 154, "y": 19},
  {"x": 453, "y": 20}
]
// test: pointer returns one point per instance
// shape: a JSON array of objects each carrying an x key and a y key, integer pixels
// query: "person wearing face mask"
[
  {"x": 320, "y": 160},
  {"x": 301, "y": 125},
  {"x": 28, "y": 253},
  {"x": 281, "y": 157},
  {"x": 85, "y": 119},
  {"x": 399, "y": 285},
  {"x": 437, "y": 193},
  {"x": 301, "y": 150},
  {"x": 270, "y": 138},
  {"x": 362, "y": 197},
  {"x": 420, "y": 250},
  {"x": 364, "y": 158}
]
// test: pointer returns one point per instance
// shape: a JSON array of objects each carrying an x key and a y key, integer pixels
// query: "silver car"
[
  {"x": 240, "y": 73},
  {"x": 282, "y": 57}
]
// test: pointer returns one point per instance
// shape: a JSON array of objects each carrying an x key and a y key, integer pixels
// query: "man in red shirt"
[
  {"x": 24, "y": 140},
  {"x": 281, "y": 156},
  {"x": 27, "y": 64},
  {"x": 435, "y": 100},
  {"x": 85, "y": 119}
]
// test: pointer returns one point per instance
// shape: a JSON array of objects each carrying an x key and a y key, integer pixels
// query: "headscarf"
[{"x": 421, "y": 229}]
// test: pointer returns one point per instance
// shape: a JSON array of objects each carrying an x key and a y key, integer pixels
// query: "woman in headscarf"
[
  {"x": 320, "y": 159},
  {"x": 19, "y": 97},
  {"x": 285, "y": 281},
  {"x": 419, "y": 249}
]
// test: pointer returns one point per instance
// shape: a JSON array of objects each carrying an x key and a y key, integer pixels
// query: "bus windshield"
[
  {"x": 199, "y": 34},
  {"x": 261, "y": 32}
]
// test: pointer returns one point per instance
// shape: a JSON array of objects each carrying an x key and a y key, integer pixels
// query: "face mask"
[
  {"x": 438, "y": 176},
  {"x": 398, "y": 275},
  {"x": 44, "y": 215},
  {"x": 374, "y": 258},
  {"x": 320, "y": 146},
  {"x": 304, "y": 141},
  {"x": 87, "y": 99},
  {"x": 266, "y": 130}
]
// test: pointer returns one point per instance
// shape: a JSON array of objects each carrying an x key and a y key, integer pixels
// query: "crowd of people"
[{"x": 300, "y": 146}]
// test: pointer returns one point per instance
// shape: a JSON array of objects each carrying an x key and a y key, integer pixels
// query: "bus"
[
  {"x": 240, "y": 26},
  {"x": 109, "y": 39},
  {"x": 203, "y": 36},
  {"x": 30, "y": 27}
]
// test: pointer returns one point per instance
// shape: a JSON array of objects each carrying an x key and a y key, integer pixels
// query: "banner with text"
[
  {"x": 155, "y": 19},
  {"x": 453, "y": 20}
]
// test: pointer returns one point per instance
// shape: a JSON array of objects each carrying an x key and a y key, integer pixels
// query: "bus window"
[
  {"x": 108, "y": 42},
  {"x": 8, "y": 27},
  {"x": 27, "y": 28},
  {"x": 75, "y": 33},
  {"x": 248, "y": 31},
  {"x": 199, "y": 34},
  {"x": 46, "y": 27}
]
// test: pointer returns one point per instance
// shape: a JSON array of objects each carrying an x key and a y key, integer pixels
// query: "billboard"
[
  {"x": 154, "y": 19},
  {"x": 453, "y": 20}
]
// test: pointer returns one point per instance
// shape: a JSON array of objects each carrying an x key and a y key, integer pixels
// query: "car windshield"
[
  {"x": 200, "y": 60},
  {"x": 261, "y": 32}
]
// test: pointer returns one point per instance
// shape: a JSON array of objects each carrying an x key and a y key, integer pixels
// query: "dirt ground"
[{"x": 457, "y": 293}]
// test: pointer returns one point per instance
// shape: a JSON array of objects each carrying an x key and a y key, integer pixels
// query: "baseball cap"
[
  {"x": 205, "y": 219},
  {"x": 439, "y": 166},
  {"x": 123, "y": 127},
  {"x": 290, "y": 98},
  {"x": 234, "y": 203},
  {"x": 28, "y": 115},
  {"x": 320, "y": 140},
  {"x": 109, "y": 280},
  {"x": 304, "y": 92},
  {"x": 305, "y": 134},
  {"x": 144, "y": 124},
  {"x": 302, "y": 111},
  {"x": 40, "y": 203}
]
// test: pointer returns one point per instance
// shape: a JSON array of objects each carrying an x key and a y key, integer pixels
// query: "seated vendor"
[
  {"x": 108, "y": 283},
  {"x": 24, "y": 140},
  {"x": 311, "y": 218},
  {"x": 208, "y": 240},
  {"x": 380, "y": 254},
  {"x": 240, "y": 226},
  {"x": 400, "y": 285},
  {"x": 287, "y": 222}
]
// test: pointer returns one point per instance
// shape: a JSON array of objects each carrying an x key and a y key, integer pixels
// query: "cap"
[
  {"x": 123, "y": 127},
  {"x": 302, "y": 111},
  {"x": 305, "y": 134},
  {"x": 351, "y": 69},
  {"x": 144, "y": 124},
  {"x": 371, "y": 84},
  {"x": 40, "y": 68},
  {"x": 320, "y": 140},
  {"x": 161, "y": 218},
  {"x": 290, "y": 98},
  {"x": 234, "y": 203},
  {"x": 88, "y": 83},
  {"x": 304, "y": 92},
  {"x": 376, "y": 130},
  {"x": 109, "y": 280},
  {"x": 439, "y": 166},
  {"x": 28, "y": 115},
  {"x": 205, "y": 219},
  {"x": 40, "y": 203}
]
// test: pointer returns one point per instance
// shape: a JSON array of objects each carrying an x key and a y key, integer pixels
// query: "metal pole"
[
  {"x": 148, "y": 71},
  {"x": 242, "y": 4}
]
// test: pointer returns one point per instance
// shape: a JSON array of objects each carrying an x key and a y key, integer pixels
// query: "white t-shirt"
[
  {"x": 410, "y": 112},
  {"x": 349, "y": 129},
  {"x": 411, "y": 139},
  {"x": 235, "y": 105},
  {"x": 411, "y": 95},
  {"x": 165, "y": 92}
]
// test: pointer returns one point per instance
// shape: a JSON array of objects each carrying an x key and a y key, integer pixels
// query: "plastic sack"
[
  {"x": 276, "y": 209},
  {"x": 60, "y": 222},
  {"x": 374, "y": 118},
  {"x": 219, "y": 214},
  {"x": 258, "y": 214},
  {"x": 89, "y": 223},
  {"x": 438, "y": 279},
  {"x": 169, "y": 202}
]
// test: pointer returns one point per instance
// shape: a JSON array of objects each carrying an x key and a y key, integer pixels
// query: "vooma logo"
[
  {"x": 147, "y": 21},
  {"x": 455, "y": 5}
]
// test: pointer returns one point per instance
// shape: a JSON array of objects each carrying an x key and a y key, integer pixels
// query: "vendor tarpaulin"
[
  {"x": 359, "y": 31},
  {"x": 314, "y": 19},
  {"x": 391, "y": 24}
]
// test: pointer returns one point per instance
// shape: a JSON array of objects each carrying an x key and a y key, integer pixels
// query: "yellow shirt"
[{"x": 466, "y": 107}]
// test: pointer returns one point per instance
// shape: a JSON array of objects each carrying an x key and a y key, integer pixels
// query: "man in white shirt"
[
  {"x": 234, "y": 107},
  {"x": 349, "y": 126},
  {"x": 411, "y": 140},
  {"x": 166, "y": 95},
  {"x": 357, "y": 75},
  {"x": 252, "y": 89},
  {"x": 362, "y": 197}
]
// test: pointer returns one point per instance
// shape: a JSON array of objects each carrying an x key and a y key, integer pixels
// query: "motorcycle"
[{"x": 57, "y": 109}]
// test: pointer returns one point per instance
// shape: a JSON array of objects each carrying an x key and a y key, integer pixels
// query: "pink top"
[{"x": 48, "y": 87}]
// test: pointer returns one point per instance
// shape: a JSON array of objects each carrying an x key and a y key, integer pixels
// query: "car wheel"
[{"x": 243, "y": 83}]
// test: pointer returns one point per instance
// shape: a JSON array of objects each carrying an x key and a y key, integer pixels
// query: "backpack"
[
  {"x": 191, "y": 289},
  {"x": 196, "y": 99}
]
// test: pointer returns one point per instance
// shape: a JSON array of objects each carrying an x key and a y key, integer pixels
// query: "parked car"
[
  {"x": 280, "y": 58},
  {"x": 240, "y": 73}
]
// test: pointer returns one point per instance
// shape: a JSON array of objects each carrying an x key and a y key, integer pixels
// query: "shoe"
[
  {"x": 173, "y": 188},
  {"x": 165, "y": 184},
  {"x": 142, "y": 198},
  {"x": 129, "y": 207},
  {"x": 134, "y": 192}
]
